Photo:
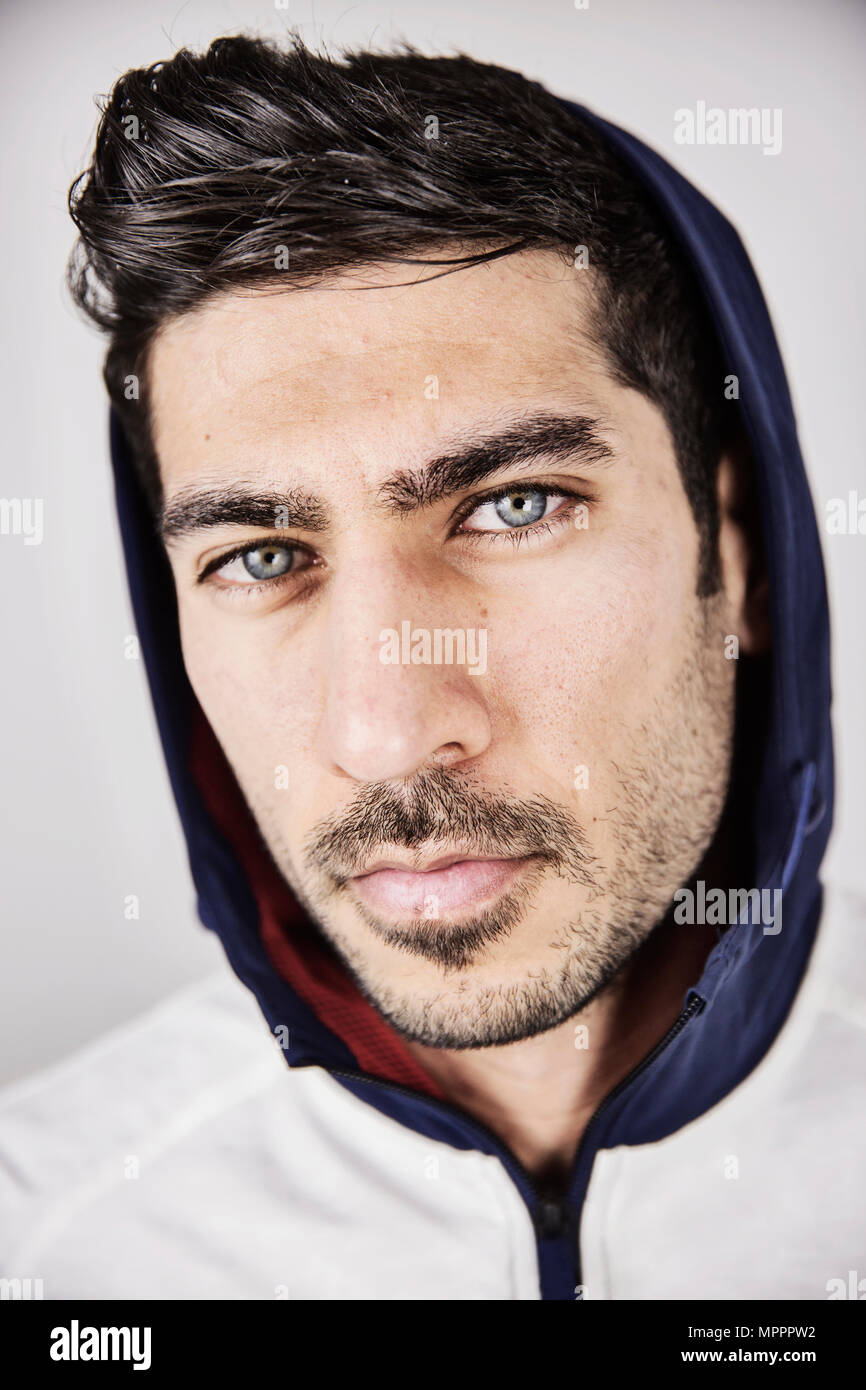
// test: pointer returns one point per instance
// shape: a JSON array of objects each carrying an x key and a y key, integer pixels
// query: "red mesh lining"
[{"x": 292, "y": 945}]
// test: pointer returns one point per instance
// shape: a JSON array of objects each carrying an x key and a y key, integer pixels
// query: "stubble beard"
[{"x": 671, "y": 789}]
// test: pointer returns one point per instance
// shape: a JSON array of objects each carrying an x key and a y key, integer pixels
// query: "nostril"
[{"x": 448, "y": 754}]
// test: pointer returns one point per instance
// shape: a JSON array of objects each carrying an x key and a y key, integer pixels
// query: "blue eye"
[
  {"x": 513, "y": 510},
  {"x": 257, "y": 564},
  {"x": 267, "y": 561},
  {"x": 521, "y": 508}
]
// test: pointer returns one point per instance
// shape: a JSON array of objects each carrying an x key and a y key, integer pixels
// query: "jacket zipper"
[
  {"x": 694, "y": 1007},
  {"x": 552, "y": 1215}
]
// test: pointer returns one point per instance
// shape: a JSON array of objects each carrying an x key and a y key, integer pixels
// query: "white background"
[{"x": 87, "y": 811}]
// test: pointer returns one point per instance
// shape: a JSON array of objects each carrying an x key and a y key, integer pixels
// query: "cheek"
[
  {"x": 256, "y": 699},
  {"x": 577, "y": 677}
]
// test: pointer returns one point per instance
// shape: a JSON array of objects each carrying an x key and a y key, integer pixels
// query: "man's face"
[{"x": 460, "y": 672}]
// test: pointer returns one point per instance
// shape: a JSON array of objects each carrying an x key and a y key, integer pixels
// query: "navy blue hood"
[{"x": 735, "y": 1010}]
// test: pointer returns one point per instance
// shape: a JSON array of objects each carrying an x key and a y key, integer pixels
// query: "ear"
[{"x": 741, "y": 548}]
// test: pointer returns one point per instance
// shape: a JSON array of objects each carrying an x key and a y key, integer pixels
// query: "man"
[{"x": 479, "y": 587}]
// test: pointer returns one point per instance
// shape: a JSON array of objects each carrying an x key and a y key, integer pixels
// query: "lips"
[{"x": 448, "y": 884}]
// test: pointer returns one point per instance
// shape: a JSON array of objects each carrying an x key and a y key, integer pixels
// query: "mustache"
[{"x": 443, "y": 808}]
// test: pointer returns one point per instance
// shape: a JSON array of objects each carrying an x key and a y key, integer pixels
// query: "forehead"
[{"x": 359, "y": 372}]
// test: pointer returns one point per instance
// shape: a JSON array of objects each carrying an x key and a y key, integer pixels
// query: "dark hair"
[{"x": 205, "y": 165}]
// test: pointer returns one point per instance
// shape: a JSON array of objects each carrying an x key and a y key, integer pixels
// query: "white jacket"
[{"x": 180, "y": 1158}]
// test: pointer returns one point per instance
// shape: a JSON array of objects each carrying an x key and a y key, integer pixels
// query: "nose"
[{"x": 391, "y": 707}]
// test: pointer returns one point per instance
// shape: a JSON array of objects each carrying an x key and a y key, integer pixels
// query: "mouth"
[{"x": 449, "y": 884}]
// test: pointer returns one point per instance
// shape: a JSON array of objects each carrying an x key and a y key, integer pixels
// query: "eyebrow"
[{"x": 473, "y": 457}]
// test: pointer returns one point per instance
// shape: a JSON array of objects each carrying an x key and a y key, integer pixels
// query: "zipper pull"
[{"x": 553, "y": 1217}]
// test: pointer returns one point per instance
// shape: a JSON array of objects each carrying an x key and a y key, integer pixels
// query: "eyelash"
[{"x": 515, "y": 536}]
